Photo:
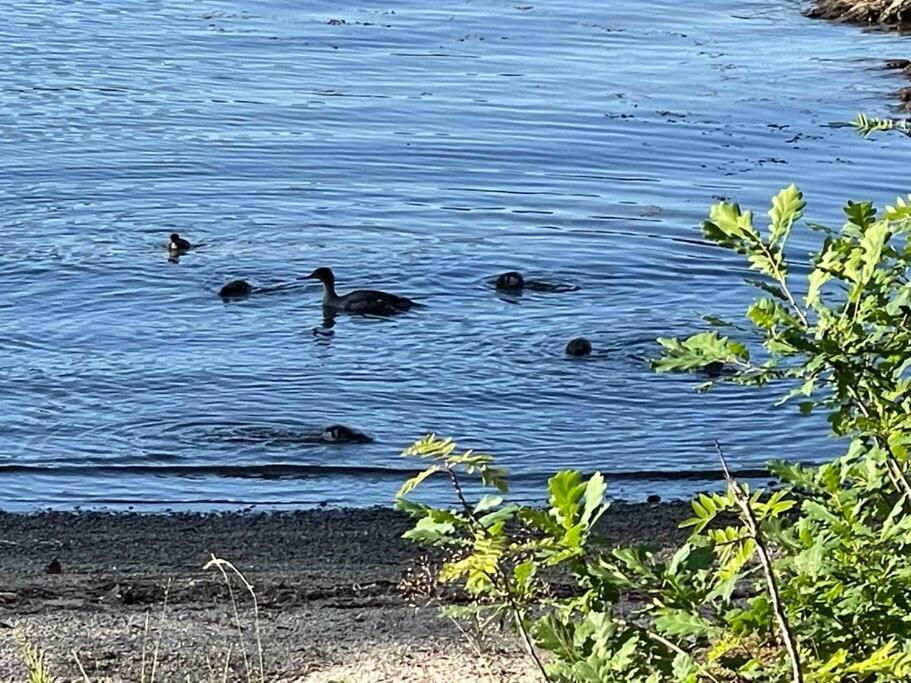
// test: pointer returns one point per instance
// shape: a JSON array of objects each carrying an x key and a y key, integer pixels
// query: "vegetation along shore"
[
  {"x": 807, "y": 579},
  {"x": 335, "y": 591}
]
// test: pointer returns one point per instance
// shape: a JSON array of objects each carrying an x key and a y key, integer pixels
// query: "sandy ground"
[{"x": 132, "y": 591}]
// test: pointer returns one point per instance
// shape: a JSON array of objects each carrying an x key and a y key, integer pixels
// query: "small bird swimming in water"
[
  {"x": 578, "y": 347},
  {"x": 280, "y": 436},
  {"x": 343, "y": 434},
  {"x": 235, "y": 289},
  {"x": 178, "y": 244},
  {"x": 510, "y": 281},
  {"x": 514, "y": 281},
  {"x": 363, "y": 301}
]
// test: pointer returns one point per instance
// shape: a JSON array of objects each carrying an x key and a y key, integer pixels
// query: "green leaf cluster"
[{"x": 823, "y": 562}]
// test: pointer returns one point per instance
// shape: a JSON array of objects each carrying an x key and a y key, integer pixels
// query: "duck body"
[
  {"x": 278, "y": 436},
  {"x": 178, "y": 244},
  {"x": 360, "y": 301},
  {"x": 235, "y": 289}
]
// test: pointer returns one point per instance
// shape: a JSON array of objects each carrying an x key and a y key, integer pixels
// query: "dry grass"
[
  {"x": 864, "y": 11},
  {"x": 35, "y": 663},
  {"x": 33, "y": 659}
]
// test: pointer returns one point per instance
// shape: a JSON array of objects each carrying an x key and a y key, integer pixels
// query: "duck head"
[
  {"x": 510, "y": 281},
  {"x": 324, "y": 275},
  {"x": 174, "y": 237},
  {"x": 343, "y": 434},
  {"x": 578, "y": 347}
]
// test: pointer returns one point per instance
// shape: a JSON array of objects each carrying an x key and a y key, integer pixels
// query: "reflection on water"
[{"x": 416, "y": 149}]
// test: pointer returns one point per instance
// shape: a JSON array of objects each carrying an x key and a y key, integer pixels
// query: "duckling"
[
  {"x": 363, "y": 301},
  {"x": 343, "y": 434},
  {"x": 510, "y": 281},
  {"x": 578, "y": 347},
  {"x": 236, "y": 289},
  {"x": 178, "y": 244},
  {"x": 279, "y": 436},
  {"x": 514, "y": 281}
]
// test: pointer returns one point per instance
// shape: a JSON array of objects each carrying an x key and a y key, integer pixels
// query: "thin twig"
[
  {"x": 145, "y": 638},
  {"x": 783, "y": 281},
  {"x": 752, "y": 523},
  {"x": 85, "y": 676},
  {"x": 670, "y": 645},
  {"x": 675, "y": 648},
  {"x": 164, "y": 609},
  {"x": 220, "y": 565},
  {"x": 475, "y": 643},
  {"x": 897, "y": 474},
  {"x": 504, "y": 578},
  {"x": 224, "y": 678}
]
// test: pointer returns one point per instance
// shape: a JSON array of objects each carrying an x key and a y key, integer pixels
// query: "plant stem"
[
  {"x": 520, "y": 624},
  {"x": 503, "y": 576},
  {"x": 899, "y": 474},
  {"x": 783, "y": 281},
  {"x": 675, "y": 648},
  {"x": 749, "y": 518},
  {"x": 893, "y": 467},
  {"x": 85, "y": 676}
]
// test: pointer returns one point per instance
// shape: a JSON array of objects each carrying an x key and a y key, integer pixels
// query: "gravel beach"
[{"x": 328, "y": 587}]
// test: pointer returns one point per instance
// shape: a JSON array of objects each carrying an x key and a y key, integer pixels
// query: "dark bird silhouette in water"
[
  {"x": 514, "y": 281},
  {"x": 578, "y": 347},
  {"x": 510, "y": 281},
  {"x": 360, "y": 301},
  {"x": 343, "y": 434},
  {"x": 277, "y": 436},
  {"x": 178, "y": 245},
  {"x": 236, "y": 289}
]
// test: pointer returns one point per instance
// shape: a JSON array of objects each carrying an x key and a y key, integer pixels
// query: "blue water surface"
[{"x": 417, "y": 147}]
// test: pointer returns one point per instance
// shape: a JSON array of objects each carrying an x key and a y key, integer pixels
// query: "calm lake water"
[{"x": 417, "y": 147}]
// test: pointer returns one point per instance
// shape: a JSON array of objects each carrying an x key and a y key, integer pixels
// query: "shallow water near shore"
[{"x": 420, "y": 149}]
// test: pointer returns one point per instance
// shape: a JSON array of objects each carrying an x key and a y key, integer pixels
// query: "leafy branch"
[
  {"x": 811, "y": 582},
  {"x": 752, "y": 526}
]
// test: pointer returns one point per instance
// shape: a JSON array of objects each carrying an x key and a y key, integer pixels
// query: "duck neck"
[{"x": 329, "y": 296}]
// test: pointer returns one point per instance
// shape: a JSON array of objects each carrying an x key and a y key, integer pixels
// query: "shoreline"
[
  {"x": 884, "y": 13},
  {"x": 328, "y": 585}
]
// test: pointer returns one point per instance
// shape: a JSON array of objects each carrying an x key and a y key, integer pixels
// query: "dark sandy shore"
[{"x": 328, "y": 584}]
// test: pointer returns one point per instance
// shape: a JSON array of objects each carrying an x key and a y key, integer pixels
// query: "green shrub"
[{"x": 808, "y": 583}]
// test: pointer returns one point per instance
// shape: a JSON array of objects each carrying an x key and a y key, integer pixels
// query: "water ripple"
[{"x": 420, "y": 151}]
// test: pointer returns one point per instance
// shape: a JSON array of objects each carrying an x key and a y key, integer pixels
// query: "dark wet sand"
[{"x": 328, "y": 584}]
